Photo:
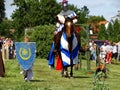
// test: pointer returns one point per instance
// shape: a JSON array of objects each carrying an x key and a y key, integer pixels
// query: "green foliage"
[
  {"x": 102, "y": 34},
  {"x": 43, "y": 35},
  {"x": 82, "y": 15},
  {"x": 116, "y": 31},
  {"x": 110, "y": 31},
  {"x": 49, "y": 10},
  {"x": 5, "y": 27},
  {"x": 2, "y": 10},
  {"x": 99, "y": 82},
  {"x": 31, "y": 13},
  {"x": 84, "y": 37},
  {"x": 113, "y": 29},
  {"x": 96, "y": 19}
]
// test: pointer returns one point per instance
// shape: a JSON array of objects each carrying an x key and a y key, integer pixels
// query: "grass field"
[{"x": 46, "y": 79}]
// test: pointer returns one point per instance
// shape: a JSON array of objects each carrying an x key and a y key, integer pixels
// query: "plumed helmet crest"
[{"x": 64, "y": 1}]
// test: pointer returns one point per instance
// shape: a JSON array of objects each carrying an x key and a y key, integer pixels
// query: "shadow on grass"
[
  {"x": 116, "y": 63},
  {"x": 37, "y": 81},
  {"x": 8, "y": 76},
  {"x": 81, "y": 77}
]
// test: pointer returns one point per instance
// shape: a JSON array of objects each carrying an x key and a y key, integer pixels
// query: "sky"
[{"x": 107, "y": 8}]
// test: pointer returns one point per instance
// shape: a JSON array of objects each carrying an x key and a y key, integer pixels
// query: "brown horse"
[{"x": 67, "y": 38}]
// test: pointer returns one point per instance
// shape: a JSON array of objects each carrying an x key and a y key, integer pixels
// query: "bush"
[{"x": 42, "y": 35}]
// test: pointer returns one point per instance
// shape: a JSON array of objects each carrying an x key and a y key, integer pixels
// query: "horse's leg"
[
  {"x": 64, "y": 72},
  {"x": 71, "y": 68}
]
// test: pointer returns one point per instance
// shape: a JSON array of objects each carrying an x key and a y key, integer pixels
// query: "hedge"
[{"x": 43, "y": 36}]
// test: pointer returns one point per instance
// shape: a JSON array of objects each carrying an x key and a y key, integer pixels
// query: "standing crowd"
[
  {"x": 108, "y": 52},
  {"x": 7, "y": 48},
  {"x": 6, "y": 52}
]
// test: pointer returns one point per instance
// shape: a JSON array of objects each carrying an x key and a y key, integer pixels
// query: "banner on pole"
[{"x": 25, "y": 54}]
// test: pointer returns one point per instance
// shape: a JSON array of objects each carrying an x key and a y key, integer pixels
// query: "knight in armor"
[{"x": 65, "y": 13}]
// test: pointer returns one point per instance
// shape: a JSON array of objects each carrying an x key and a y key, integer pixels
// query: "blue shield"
[{"x": 25, "y": 54}]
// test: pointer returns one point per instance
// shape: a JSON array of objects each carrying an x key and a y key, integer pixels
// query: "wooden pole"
[
  {"x": 7, "y": 52},
  {"x": 3, "y": 52}
]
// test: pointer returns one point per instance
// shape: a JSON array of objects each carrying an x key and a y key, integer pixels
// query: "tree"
[
  {"x": 102, "y": 34},
  {"x": 2, "y": 10},
  {"x": 5, "y": 27},
  {"x": 110, "y": 31},
  {"x": 116, "y": 31},
  {"x": 113, "y": 31},
  {"x": 96, "y": 19},
  {"x": 83, "y": 14},
  {"x": 36, "y": 12},
  {"x": 43, "y": 36},
  {"x": 31, "y": 13}
]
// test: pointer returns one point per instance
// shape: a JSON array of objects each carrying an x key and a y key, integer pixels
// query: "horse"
[{"x": 67, "y": 44}]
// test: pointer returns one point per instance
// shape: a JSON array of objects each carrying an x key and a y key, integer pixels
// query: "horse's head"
[{"x": 68, "y": 27}]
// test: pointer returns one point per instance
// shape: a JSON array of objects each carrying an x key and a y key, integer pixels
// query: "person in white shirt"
[
  {"x": 118, "y": 50},
  {"x": 103, "y": 52},
  {"x": 93, "y": 52}
]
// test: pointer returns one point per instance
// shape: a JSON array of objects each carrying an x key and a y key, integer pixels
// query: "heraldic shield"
[{"x": 25, "y": 54}]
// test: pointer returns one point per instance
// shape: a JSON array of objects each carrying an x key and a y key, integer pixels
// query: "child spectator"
[{"x": 28, "y": 74}]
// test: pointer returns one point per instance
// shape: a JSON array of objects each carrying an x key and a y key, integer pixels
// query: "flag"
[
  {"x": 25, "y": 54},
  {"x": 65, "y": 53},
  {"x": 51, "y": 56}
]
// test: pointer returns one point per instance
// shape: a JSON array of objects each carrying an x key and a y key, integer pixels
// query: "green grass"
[{"x": 46, "y": 79}]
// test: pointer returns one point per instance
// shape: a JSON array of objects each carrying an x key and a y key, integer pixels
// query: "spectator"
[
  {"x": 1, "y": 42},
  {"x": 115, "y": 53},
  {"x": 103, "y": 52},
  {"x": 2, "y": 69},
  {"x": 93, "y": 52},
  {"x": 118, "y": 48},
  {"x": 109, "y": 50},
  {"x": 28, "y": 74}
]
